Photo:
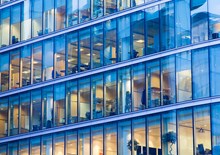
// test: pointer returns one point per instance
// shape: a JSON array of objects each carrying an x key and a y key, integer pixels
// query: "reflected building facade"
[{"x": 109, "y": 77}]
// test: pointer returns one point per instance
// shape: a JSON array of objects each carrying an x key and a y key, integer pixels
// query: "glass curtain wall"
[
  {"x": 48, "y": 16},
  {"x": 37, "y": 17}
]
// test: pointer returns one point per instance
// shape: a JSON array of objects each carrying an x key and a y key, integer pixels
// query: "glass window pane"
[
  {"x": 139, "y": 136},
  {"x": 124, "y": 90},
  {"x": 15, "y": 23},
  {"x": 182, "y": 25},
  {"x": 124, "y": 137},
  {"x": 97, "y": 8},
  {"x": 48, "y": 70},
  {"x": 84, "y": 99},
  {"x": 4, "y": 117},
  {"x": 97, "y": 96},
  {"x": 137, "y": 2},
  {"x": 137, "y": 30},
  {"x": 5, "y": 27},
  {"x": 199, "y": 18},
  {"x": 110, "y": 6},
  {"x": 26, "y": 65},
  {"x": 110, "y": 137},
  {"x": 72, "y": 12},
  {"x": 47, "y": 145},
  {"x": 71, "y": 138},
  {"x": 58, "y": 143},
  {"x": 72, "y": 101},
  {"x": 152, "y": 24},
  {"x": 84, "y": 141},
  {"x": 13, "y": 148},
  {"x": 47, "y": 96},
  {"x": 168, "y": 80},
  {"x": 26, "y": 20},
  {"x": 154, "y": 135},
  {"x": 84, "y": 10},
  {"x": 124, "y": 38},
  {"x": 202, "y": 129},
  {"x": 35, "y": 146},
  {"x": 37, "y": 19},
  {"x": 3, "y": 149},
  {"x": 48, "y": 16},
  {"x": 110, "y": 42},
  {"x": 36, "y": 120},
  {"x": 185, "y": 131},
  {"x": 215, "y": 70},
  {"x": 139, "y": 87},
  {"x": 59, "y": 56},
  {"x": 24, "y": 147},
  {"x": 123, "y": 4},
  {"x": 167, "y": 25},
  {"x": 111, "y": 93},
  {"x": 153, "y": 84},
  {"x": 84, "y": 49},
  {"x": 200, "y": 73},
  {"x": 59, "y": 104},
  {"x": 14, "y": 114},
  {"x": 214, "y": 19},
  {"x": 183, "y": 76},
  {"x": 72, "y": 56},
  {"x": 97, "y": 140},
  {"x": 25, "y": 112},
  {"x": 15, "y": 69},
  {"x": 169, "y": 133},
  {"x": 37, "y": 62},
  {"x": 4, "y": 71},
  {"x": 97, "y": 46},
  {"x": 60, "y": 11}
]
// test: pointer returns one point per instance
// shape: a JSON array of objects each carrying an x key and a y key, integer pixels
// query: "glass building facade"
[{"x": 108, "y": 77}]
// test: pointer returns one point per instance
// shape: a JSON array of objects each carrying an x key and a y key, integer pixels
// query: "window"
[
  {"x": 15, "y": 23},
  {"x": 72, "y": 12},
  {"x": 4, "y": 117},
  {"x": 214, "y": 21},
  {"x": 5, "y": 27},
  {"x": 35, "y": 146},
  {"x": 37, "y": 62},
  {"x": 4, "y": 71},
  {"x": 26, "y": 65},
  {"x": 3, "y": 149},
  {"x": 24, "y": 147},
  {"x": 48, "y": 24},
  {"x": 110, "y": 6},
  {"x": 60, "y": 11},
  {"x": 58, "y": 143},
  {"x": 137, "y": 2},
  {"x": 84, "y": 141},
  {"x": 123, "y": 4},
  {"x": 46, "y": 145},
  {"x": 14, "y": 115},
  {"x": 97, "y": 8},
  {"x": 84, "y": 10},
  {"x": 15, "y": 69},
  {"x": 25, "y": 112},
  {"x": 71, "y": 138},
  {"x": 37, "y": 17},
  {"x": 13, "y": 148},
  {"x": 97, "y": 140},
  {"x": 26, "y": 20},
  {"x": 110, "y": 137}
]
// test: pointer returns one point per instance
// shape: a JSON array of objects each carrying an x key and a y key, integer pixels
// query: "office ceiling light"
[{"x": 140, "y": 41}]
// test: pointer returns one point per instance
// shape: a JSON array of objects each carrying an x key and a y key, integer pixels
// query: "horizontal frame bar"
[
  {"x": 120, "y": 117},
  {"x": 112, "y": 67},
  {"x": 8, "y": 4}
]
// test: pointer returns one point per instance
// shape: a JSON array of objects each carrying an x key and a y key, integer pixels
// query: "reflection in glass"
[
  {"x": 97, "y": 8},
  {"x": 84, "y": 49},
  {"x": 169, "y": 133},
  {"x": 71, "y": 138},
  {"x": 84, "y": 99},
  {"x": 72, "y": 12},
  {"x": 137, "y": 30},
  {"x": 35, "y": 146},
  {"x": 4, "y": 117},
  {"x": 59, "y": 104},
  {"x": 47, "y": 96},
  {"x": 124, "y": 90},
  {"x": 139, "y": 87},
  {"x": 84, "y": 10},
  {"x": 48, "y": 24},
  {"x": 15, "y": 69},
  {"x": 137, "y": 2},
  {"x": 37, "y": 17},
  {"x": 47, "y": 145},
  {"x": 110, "y": 6},
  {"x": 37, "y": 62},
  {"x": 15, "y": 23},
  {"x": 110, "y": 136},
  {"x": 110, "y": 90},
  {"x": 199, "y": 20},
  {"x": 25, "y": 112},
  {"x": 110, "y": 42},
  {"x": 153, "y": 92},
  {"x": 152, "y": 29},
  {"x": 97, "y": 96},
  {"x": 185, "y": 131},
  {"x": 36, "y": 110},
  {"x": 58, "y": 143},
  {"x": 214, "y": 19},
  {"x": 202, "y": 130},
  {"x": 123, "y": 4},
  {"x": 72, "y": 98},
  {"x": 72, "y": 55},
  {"x": 5, "y": 27},
  {"x": 60, "y": 14},
  {"x": 97, "y": 140},
  {"x": 4, "y": 71},
  {"x": 183, "y": 76},
  {"x": 14, "y": 115},
  {"x": 124, "y": 137},
  {"x": 200, "y": 73},
  {"x": 59, "y": 57},
  {"x": 168, "y": 80},
  {"x": 26, "y": 20},
  {"x": 26, "y": 65},
  {"x": 84, "y": 141}
]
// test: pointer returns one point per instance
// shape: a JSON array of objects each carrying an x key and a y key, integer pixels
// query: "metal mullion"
[
  {"x": 211, "y": 123},
  {"x": 131, "y": 71},
  {"x": 132, "y": 136},
  {"x": 147, "y": 134},
  {"x": 193, "y": 125}
]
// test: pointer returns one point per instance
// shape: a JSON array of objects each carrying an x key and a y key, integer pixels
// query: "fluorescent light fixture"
[
  {"x": 140, "y": 41},
  {"x": 98, "y": 44}
]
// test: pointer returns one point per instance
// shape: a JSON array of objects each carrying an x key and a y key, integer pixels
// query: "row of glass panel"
[
  {"x": 141, "y": 33},
  {"x": 189, "y": 131},
  {"x": 175, "y": 23},
  {"x": 164, "y": 81},
  {"x": 33, "y": 18}
]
